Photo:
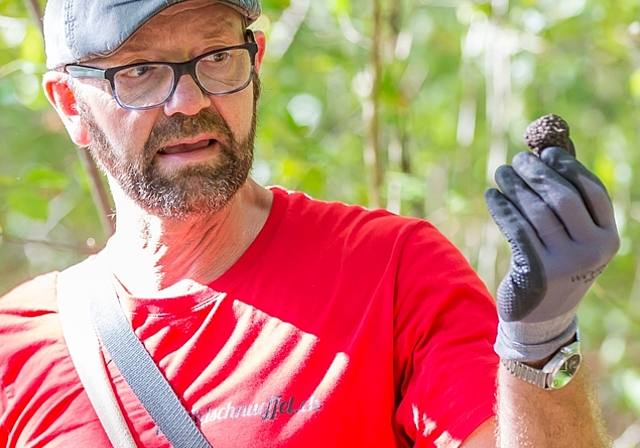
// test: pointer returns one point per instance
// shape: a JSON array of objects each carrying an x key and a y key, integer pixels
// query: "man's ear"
[
  {"x": 261, "y": 40},
  {"x": 60, "y": 95}
]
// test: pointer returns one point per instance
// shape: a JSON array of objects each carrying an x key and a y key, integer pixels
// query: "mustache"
[{"x": 181, "y": 126}]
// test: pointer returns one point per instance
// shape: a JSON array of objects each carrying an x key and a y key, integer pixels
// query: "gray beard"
[{"x": 192, "y": 191}]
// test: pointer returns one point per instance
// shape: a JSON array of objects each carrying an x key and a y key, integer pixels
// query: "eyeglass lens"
[{"x": 151, "y": 84}]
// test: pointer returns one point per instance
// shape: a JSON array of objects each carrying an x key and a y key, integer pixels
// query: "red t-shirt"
[{"x": 338, "y": 327}]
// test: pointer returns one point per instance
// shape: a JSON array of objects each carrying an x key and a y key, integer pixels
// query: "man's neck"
[{"x": 154, "y": 257}]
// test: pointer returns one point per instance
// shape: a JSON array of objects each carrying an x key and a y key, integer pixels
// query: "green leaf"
[
  {"x": 340, "y": 6},
  {"x": 29, "y": 204},
  {"x": 7, "y": 180},
  {"x": 634, "y": 84},
  {"x": 46, "y": 178}
]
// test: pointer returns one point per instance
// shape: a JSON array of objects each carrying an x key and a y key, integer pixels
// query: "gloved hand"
[{"x": 559, "y": 222}]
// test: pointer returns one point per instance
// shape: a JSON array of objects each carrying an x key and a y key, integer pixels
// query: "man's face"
[{"x": 190, "y": 156}]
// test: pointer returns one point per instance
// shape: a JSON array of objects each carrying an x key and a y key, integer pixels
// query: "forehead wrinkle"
[{"x": 169, "y": 29}]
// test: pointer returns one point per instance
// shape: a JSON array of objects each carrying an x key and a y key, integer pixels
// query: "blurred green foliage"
[{"x": 458, "y": 82}]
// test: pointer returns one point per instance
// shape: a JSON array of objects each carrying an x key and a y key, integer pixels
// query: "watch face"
[{"x": 567, "y": 371}]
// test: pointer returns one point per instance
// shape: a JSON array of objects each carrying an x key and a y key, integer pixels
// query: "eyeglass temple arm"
[{"x": 78, "y": 71}]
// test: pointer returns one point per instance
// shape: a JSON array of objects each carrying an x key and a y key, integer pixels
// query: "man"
[{"x": 279, "y": 320}]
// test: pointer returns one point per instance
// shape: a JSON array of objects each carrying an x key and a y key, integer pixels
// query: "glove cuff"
[{"x": 527, "y": 342}]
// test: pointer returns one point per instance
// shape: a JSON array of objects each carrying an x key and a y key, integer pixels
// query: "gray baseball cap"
[{"x": 79, "y": 30}]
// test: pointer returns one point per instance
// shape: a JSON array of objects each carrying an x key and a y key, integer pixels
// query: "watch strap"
[{"x": 527, "y": 373}]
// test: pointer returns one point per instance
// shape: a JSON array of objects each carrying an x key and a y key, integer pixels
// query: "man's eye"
[
  {"x": 220, "y": 57},
  {"x": 138, "y": 72}
]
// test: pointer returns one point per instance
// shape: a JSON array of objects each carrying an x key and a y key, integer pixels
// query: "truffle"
[{"x": 547, "y": 131}]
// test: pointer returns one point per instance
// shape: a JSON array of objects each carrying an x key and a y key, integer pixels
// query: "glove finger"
[
  {"x": 522, "y": 290},
  {"x": 558, "y": 193},
  {"x": 592, "y": 190},
  {"x": 519, "y": 233},
  {"x": 544, "y": 221}
]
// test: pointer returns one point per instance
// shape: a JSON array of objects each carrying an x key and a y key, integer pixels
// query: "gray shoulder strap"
[
  {"x": 84, "y": 347},
  {"x": 136, "y": 365}
]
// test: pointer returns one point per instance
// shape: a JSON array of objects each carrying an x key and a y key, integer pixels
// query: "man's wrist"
[
  {"x": 539, "y": 364},
  {"x": 554, "y": 373}
]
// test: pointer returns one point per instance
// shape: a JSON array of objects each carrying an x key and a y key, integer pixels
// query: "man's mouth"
[{"x": 186, "y": 147}]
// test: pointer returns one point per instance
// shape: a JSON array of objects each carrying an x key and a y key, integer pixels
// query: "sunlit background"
[{"x": 402, "y": 104}]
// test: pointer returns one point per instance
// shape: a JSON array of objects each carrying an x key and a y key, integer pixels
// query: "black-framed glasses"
[{"x": 147, "y": 85}]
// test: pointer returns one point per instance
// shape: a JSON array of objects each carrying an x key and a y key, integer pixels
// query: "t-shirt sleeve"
[
  {"x": 42, "y": 402},
  {"x": 445, "y": 326}
]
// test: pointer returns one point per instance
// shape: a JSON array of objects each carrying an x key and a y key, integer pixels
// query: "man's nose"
[{"x": 187, "y": 98}]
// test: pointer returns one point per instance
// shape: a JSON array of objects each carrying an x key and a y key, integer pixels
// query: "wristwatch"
[{"x": 556, "y": 373}]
